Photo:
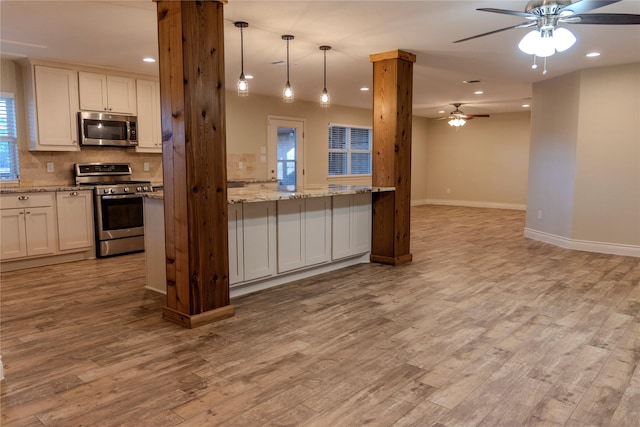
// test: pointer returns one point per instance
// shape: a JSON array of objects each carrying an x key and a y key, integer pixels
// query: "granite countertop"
[
  {"x": 253, "y": 194},
  {"x": 40, "y": 189}
]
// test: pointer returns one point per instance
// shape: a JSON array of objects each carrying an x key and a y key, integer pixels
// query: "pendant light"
[
  {"x": 324, "y": 98},
  {"x": 243, "y": 86},
  {"x": 287, "y": 93}
]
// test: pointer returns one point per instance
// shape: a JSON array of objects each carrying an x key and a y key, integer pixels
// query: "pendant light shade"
[
  {"x": 324, "y": 98},
  {"x": 457, "y": 122},
  {"x": 243, "y": 86},
  {"x": 287, "y": 93}
]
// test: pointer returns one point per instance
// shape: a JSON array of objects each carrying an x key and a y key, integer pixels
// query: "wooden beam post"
[
  {"x": 191, "y": 62},
  {"x": 392, "y": 111}
]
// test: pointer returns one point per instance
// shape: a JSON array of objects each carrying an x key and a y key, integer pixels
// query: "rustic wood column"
[
  {"x": 191, "y": 60},
  {"x": 392, "y": 110}
]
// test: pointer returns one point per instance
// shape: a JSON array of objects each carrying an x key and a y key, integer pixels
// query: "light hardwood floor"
[{"x": 484, "y": 328}]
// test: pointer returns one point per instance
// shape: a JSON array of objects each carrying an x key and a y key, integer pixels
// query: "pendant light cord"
[
  {"x": 325, "y": 70},
  {"x": 241, "y": 54},
  {"x": 287, "y": 61}
]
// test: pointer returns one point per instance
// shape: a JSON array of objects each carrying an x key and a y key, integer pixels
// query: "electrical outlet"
[
  {"x": 263, "y": 149},
  {"x": 539, "y": 214},
  {"x": 50, "y": 167},
  {"x": 145, "y": 166},
  {"x": 263, "y": 159},
  {"x": 240, "y": 165}
]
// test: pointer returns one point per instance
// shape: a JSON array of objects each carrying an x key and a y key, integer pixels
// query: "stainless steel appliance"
[
  {"x": 118, "y": 206},
  {"x": 106, "y": 129}
]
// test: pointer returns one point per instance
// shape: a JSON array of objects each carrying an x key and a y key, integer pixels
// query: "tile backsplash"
[{"x": 33, "y": 165}]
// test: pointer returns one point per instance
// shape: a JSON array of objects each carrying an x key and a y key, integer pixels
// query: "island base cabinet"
[
  {"x": 259, "y": 239},
  {"x": 236, "y": 244},
  {"x": 304, "y": 232},
  {"x": 351, "y": 225}
]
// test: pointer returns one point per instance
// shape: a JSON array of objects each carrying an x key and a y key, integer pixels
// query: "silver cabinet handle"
[
  {"x": 23, "y": 197},
  {"x": 73, "y": 193}
]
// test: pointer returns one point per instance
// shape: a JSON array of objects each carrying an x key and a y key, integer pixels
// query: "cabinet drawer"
[{"x": 26, "y": 200}]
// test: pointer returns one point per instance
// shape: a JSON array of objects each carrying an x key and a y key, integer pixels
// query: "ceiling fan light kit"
[{"x": 545, "y": 15}]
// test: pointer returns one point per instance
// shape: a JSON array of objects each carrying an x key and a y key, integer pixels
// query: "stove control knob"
[
  {"x": 138, "y": 189},
  {"x": 126, "y": 189},
  {"x": 145, "y": 188},
  {"x": 112, "y": 190},
  {"x": 106, "y": 190}
]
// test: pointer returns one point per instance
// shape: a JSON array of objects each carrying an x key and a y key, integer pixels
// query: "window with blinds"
[
  {"x": 349, "y": 150},
  {"x": 8, "y": 138}
]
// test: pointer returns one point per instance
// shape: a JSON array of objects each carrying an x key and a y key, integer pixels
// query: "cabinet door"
[
  {"x": 259, "y": 240},
  {"x": 361, "y": 223},
  {"x": 13, "y": 239},
  {"x": 341, "y": 227},
  {"x": 75, "y": 220},
  {"x": 291, "y": 234},
  {"x": 149, "y": 128},
  {"x": 317, "y": 230},
  {"x": 93, "y": 91},
  {"x": 121, "y": 95},
  {"x": 236, "y": 247},
  {"x": 56, "y": 96},
  {"x": 40, "y": 230}
]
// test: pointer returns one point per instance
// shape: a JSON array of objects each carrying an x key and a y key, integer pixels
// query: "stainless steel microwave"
[{"x": 106, "y": 129}]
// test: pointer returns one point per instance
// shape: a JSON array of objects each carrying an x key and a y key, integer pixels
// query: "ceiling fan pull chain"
[
  {"x": 544, "y": 71},
  {"x": 534, "y": 66}
]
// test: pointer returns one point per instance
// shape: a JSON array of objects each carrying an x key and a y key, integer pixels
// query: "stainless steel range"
[{"x": 118, "y": 206}]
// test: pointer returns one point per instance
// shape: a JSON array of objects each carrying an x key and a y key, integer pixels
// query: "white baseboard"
[
  {"x": 470, "y": 203},
  {"x": 583, "y": 245}
]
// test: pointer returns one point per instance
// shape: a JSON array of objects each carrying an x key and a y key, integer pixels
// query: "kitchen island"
[{"x": 278, "y": 234}]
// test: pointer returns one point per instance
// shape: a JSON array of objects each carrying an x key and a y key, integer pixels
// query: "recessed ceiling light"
[
  {"x": 364, "y": 89},
  {"x": 441, "y": 112},
  {"x": 149, "y": 59},
  {"x": 478, "y": 92},
  {"x": 248, "y": 76},
  {"x": 526, "y": 105},
  {"x": 592, "y": 54}
]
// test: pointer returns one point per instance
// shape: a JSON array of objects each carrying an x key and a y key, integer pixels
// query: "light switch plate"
[
  {"x": 50, "y": 167},
  {"x": 145, "y": 166}
]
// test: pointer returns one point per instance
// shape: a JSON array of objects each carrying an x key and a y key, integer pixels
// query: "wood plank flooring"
[{"x": 484, "y": 328}]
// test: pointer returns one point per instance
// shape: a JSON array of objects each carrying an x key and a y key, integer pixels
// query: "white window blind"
[
  {"x": 8, "y": 138},
  {"x": 349, "y": 150}
]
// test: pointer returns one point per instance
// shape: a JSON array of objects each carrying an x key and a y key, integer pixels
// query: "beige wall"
[
  {"x": 552, "y": 155},
  {"x": 607, "y": 185},
  {"x": 485, "y": 162},
  {"x": 585, "y": 157}
]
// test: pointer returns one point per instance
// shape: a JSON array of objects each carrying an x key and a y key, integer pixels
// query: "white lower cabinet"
[
  {"x": 27, "y": 225},
  {"x": 259, "y": 239},
  {"x": 351, "y": 225},
  {"x": 304, "y": 232},
  {"x": 236, "y": 244},
  {"x": 75, "y": 219}
]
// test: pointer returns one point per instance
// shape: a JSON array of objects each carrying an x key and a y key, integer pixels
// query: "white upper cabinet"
[
  {"x": 149, "y": 127},
  {"x": 52, "y": 107},
  {"x": 113, "y": 94}
]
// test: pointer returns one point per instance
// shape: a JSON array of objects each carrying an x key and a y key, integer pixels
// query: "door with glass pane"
[{"x": 286, "y": 145}]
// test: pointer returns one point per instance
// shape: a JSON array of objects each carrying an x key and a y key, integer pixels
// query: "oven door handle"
[{"x": 123, "y": 196}]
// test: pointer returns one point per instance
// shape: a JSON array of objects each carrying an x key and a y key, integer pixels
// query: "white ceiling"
[{"x": 117, "y": 34}]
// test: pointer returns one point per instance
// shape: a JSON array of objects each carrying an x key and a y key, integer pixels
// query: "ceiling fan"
[
  {"x": 545, "y": 15},
  {"x": 457, "y": 118}
]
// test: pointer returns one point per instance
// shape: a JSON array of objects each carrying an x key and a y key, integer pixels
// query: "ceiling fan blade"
[
  {"x": 523, "y": 25},
  {"x": 477, "y": 115},
  {"x": 606, "y": 19},
  {"x": 585, "y": 6},
  {"x": 509, "y": 12}
]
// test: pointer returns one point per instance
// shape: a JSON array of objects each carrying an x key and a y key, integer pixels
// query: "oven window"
[
  {"x": 105, "y": 129},
  {"x": 122, "y": 213}
]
